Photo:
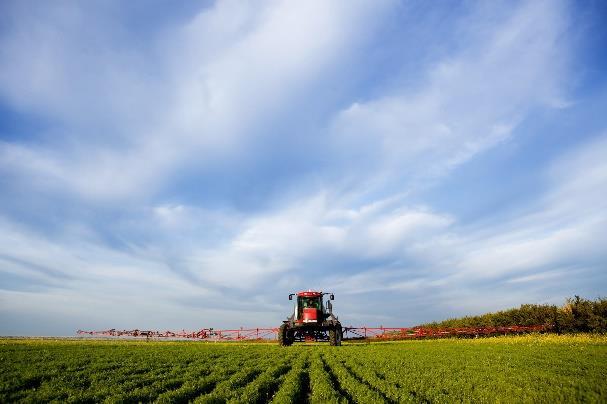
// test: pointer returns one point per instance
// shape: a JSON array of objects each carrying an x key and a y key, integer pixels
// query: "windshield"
[{"x": 309, "y": 302}]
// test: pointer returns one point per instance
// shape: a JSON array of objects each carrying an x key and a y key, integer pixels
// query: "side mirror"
[
  {"x": 329, "y": 307},
  {"x": 291, "y": 296},
  {"x": 331, "y": 296}
]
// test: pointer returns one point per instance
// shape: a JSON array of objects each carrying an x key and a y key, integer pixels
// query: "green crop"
[
  {"x": 536, "y": 368},
  {"x": 294, "y": 386}
]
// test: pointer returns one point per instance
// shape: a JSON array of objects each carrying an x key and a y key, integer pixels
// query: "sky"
[{"x": 185, "y": 165}]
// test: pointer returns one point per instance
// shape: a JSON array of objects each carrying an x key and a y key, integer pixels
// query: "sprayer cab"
[
  {"x": 309, "y": 307},
  {"x": 312, "y": 320}
]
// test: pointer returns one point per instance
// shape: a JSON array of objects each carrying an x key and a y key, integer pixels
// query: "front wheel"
[
  {"x": 335, "y": 335},
  {"x": 283, "y": 336}
]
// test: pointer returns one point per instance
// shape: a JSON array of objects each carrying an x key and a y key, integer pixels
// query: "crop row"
[
  {"x": 135, "y": 376},
  {"x": 540, "y": 369}
]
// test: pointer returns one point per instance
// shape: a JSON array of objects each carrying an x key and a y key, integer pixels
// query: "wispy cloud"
[
  {"x": 466, "y": 102},
  {"x": 128, "y": 118},
  {"x": 197, "y": 168}
]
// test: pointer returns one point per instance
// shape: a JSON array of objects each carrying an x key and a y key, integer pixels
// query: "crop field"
[{"x": 527, "y": 368}]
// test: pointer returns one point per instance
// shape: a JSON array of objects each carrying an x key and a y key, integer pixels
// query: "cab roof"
[{"x": 309, "y": 293}]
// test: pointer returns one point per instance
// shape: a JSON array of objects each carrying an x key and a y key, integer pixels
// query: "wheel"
[
  {"x": 283, "y": 336},
  {"x": 335, "y": 336},
  {"x": 290, "y": 337}
]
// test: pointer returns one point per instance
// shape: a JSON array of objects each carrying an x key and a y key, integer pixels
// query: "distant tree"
[{"x": 576, "y": 315}]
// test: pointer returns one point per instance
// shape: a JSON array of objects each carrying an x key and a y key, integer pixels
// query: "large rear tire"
[
  {"x": 335, "y": 335},
  {"x": 283, "y": 336}
]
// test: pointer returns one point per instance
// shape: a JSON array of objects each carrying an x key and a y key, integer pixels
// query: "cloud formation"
[{"x": 193, "y": 171}]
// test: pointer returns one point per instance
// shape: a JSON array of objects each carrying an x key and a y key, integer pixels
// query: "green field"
[{"x": 505, "y": 369}]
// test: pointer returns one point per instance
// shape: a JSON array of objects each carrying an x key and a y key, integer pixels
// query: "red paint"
[
  {"x": 349, "y": 332},
  {"x": 309, "y": 315},
  {"x": 309, "y": 293}
]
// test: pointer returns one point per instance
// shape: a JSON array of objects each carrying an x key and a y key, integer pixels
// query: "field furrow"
[
  {"x": 263, "y": 387},
  {"x": 354, "y": 387},
  {"x": 364, "y": 372},
  {"x": 323, "y": 385},
  {"x": 295, "y": 386},
  {"x": 228, "y": 389},
  {"x": 194, "y": 387},
  {"x": 535, "y": 368}
]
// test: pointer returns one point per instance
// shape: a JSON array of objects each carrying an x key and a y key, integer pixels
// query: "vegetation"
[
  {"x": 523, "y": 368},
  {"x": 576, "y": 315}
]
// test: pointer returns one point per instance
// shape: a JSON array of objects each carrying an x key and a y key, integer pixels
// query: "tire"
[
  {"x": 290, "y": 337},
  {"x": 283, "y": 336},
  {"x": 335, "y": 336}
]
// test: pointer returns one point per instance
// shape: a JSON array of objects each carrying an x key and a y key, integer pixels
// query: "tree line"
[{"x": 576, "y": 315}]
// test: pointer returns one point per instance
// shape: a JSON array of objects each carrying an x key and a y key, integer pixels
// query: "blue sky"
[{"x": 188, "y": 167}]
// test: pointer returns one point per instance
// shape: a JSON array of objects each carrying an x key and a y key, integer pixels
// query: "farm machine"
[{"x": 311, "y": 320}]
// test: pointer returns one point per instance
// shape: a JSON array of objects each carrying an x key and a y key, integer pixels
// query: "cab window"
[{"x": 309, "y": 302}]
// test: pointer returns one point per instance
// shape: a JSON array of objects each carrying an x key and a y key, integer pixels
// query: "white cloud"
[
  {"x": 566, "y": 228},
  {"x": 561, "y": 236},
  {"x": 76, "y": 281},
  {"x": 466, "y": 103},
  {"x": 272, "y": 245},
  {"x": 208, "y": 92},
  {"x": 77, "y": 261},
  {"x": 132, "y": 116},
  {"x": 541, "y": 276}
]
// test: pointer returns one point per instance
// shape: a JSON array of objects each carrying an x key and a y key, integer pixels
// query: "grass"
[{"x": 535, "y": 368}]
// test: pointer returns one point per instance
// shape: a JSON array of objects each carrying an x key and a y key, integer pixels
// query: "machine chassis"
[{"x": 328, "y": 330}]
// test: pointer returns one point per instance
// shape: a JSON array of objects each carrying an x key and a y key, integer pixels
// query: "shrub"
[{"x": 576, "y": 315}]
